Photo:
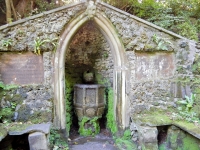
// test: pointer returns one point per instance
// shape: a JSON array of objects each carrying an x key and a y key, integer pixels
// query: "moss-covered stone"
[
  {"x": 41, "y": 117},
  {"x": 18, "y": 126},
  {"x": 161, "y": 118},
  {"x": 3, "y": 131},
  {"x": 70, "y": 80},
  {"x": 111, "y": 122},
  {"x": 179, "y": 140},
  {"x": 89, "y": 126}
]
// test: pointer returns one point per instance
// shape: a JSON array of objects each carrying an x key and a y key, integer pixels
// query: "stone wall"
[
  {"x": 22, "y": 34},
  {"x": 90, "y": 51},
  {"x": 160, "y": 62},
  {"x": 35, "y": 102}
]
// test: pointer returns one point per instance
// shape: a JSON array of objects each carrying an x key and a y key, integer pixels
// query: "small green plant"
[
  {"x": 53, "y": 42},
  {"x": 188, "y": 114},
  {"x": 125, "y": 141},
  {"x": 38, "y": 43},
  {"x": 56, "y": 141},
  {"x": 188, "y": 102},
  {"x": 162, "y": 43},
  {"x": 7, "y": 43}
]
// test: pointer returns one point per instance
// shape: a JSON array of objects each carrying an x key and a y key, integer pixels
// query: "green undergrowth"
[
  {"x": 7, "y": 86},
  {"x": 125, "y": 142},
  {"x": 57, "y": 142},
  {"x": 88, "y": 126}
]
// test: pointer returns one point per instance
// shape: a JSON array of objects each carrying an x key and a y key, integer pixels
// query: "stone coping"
[
  {"x": 162, "y": 119},
  {"x": 44, "y": 128},
  {"x": 19, "y": 129}
]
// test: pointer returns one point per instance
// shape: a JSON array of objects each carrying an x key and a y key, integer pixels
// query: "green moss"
[
  {"x": 89, "y": 126},
  {"x": 6, "y": 114},
  {"x": 40, "y": 117},
  {"x": 7, "y": 87},
  {"x": 111, "y": 122},
  {"x": 101, "y": 80},
  {"x": 179, "y": 140},
  {"x": 189, "y": 143},
  {"x": 18, "y": 127},
  {"x": 70, "y": 80},
  {"x": 3, "y": 130}
]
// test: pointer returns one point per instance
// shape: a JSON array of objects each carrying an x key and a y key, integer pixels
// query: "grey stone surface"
[
  {"x": 38, "y": 141},
  {"x": 43, "y": 128},
  {"x": 3, "y": 132},
  {"x": 148, "y": 137},
  {"x": 94, "y": 146}
]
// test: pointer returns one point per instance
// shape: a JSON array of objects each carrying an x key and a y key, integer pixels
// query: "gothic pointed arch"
[{"x": 120, "y": 68}]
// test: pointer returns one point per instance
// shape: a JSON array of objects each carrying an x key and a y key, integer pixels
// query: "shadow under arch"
[{"x": 119, "y": 73}]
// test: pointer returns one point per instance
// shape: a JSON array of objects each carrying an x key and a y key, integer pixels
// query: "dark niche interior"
[
  {"x": 88, "y": 52},
  {"x": 15, "y": 142}
]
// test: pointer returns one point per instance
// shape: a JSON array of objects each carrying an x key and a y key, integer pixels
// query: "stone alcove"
[
  {"x": 88, "y": 51},
  {"x": 118, "y": 67}
]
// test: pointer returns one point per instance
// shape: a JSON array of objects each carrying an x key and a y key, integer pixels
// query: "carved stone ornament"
[{"x": 91, "y": 9}]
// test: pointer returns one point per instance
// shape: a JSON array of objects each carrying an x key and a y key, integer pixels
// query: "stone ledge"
[
  {"x": 19, "y": 129},
  {"x": 162, "y": 119},
  {"x": 44, "y": 128}
]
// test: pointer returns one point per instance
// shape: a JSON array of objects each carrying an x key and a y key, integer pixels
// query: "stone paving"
[{"x": 101, "y": 141}]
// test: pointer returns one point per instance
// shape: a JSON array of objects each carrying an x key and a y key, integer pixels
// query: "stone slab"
[
  {"x": 44, "y": 128},
  {"x": 3, "y": 132},
  {"x": 154, "y": 65},
  {"x": 21, "y": 68},
  {"x": 38, "y": 141}
]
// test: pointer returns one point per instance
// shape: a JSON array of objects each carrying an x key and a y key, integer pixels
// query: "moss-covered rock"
[
  {"x": 111, "y": 122},
  {"x": 89, "y": 126},
  {"x": 3, "y": 131},
  {"x": 179, "y": 140}
]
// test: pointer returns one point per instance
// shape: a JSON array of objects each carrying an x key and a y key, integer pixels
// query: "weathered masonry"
[{"x": 147, "y": 67}]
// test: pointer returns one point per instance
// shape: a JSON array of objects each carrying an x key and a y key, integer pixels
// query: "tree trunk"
[
  {"x": 13, "y": 10},
  {"x": 8, "y": 11}
]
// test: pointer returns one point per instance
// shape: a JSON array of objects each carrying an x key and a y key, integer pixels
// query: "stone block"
[
  {"x": 148, "y": 137},
  {"x": 38, "y": 141}
]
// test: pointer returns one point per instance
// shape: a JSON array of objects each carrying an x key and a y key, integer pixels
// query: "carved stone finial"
[{"x": 91, "y": 9}]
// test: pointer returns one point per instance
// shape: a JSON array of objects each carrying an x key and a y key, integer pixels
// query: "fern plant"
[
  {"x": 7, "y": 43},
  {"x": 188, "y": 102},
  {"x": 37, "y": 46}
]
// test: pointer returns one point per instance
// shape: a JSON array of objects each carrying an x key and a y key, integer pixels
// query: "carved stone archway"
[{"x": 119, "y": 74}]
